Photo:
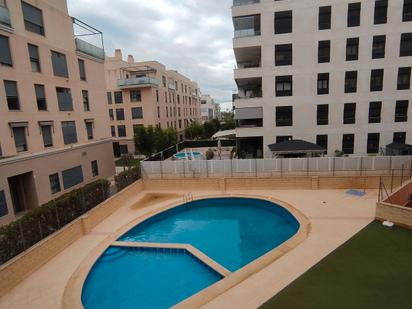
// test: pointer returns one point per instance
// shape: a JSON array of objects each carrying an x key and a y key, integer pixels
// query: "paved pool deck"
[{"x": 334, "y": 217}]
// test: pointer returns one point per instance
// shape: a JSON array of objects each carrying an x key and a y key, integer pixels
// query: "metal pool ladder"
[{"x": 188, "y": 198}]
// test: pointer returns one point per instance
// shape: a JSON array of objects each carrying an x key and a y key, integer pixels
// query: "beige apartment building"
[
  {"x": 147, "y": 94},
  {"x": 209, "y": 108},
  {"x": 333, "y": 72},
  {"x": 54, "y": 129}
]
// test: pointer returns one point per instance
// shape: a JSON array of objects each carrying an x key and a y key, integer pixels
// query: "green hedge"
[
  {"x": 126, "y": 178},
  {"x": 40, "y": 222}
]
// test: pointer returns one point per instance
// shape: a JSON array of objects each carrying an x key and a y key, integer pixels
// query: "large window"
[
  {"x": 283, "y": 86},
  {"x": 324, "y": 51},
  {"x": 244, "y": 26},
  {"x": 46, "y": 132},
  {"x": 401, "y": 111},
  {"x": 283, "y": 54},
  {"x": 82, "y": 69},
  {"x": 324, "y": 21},
  {"x": 404, "y": 78},
  {"x": 19, "y": 134},
  {"x": 352, "y": 49},
  {"x": 135, "y": 96},
  {"x": 407, "y": 10},
  {"x": 72, "y": 177},
  {"x": 137, "y": 113},
  {"x": 54, "y": 183},
  {"x": 351, "y": 81},
  {"x": 373, "y": 143},
  {"x": 349, "y": 113},
  {"x": 284, "y": 116},
  {"x": 375, "y": 109},
  {"x": 69, "y": 132},
  {"x": 5, "y": 54},
  {"x": 64, "y": 99},
  {"x": 378, "y": 46},
  {"x": 322, "y": 115},
  {"x": 34, "y": 58},
  {"x": 40, "y": 97},
  {"x": 406, "y": 45},
  {"x": 354, "y": 14},
  {"x": 376, "y": 82},
  {"x": 33, "y": 18},
  {"x": 59, "y": 64},
  {"x": 283, "y": 22},
  {"x": 323, "y": 83},
  {"x": 348, "y": 142},
  {"x": 118, "y": 97},
  {"x": 381, "y": 12},
  {"x": 322, "y": 141},
  {"x": 121, "y": 130},
  {"x": 86, "y": 104},
  {"x": 120, "y": 114},
  {"x": 12, "y": 95}
]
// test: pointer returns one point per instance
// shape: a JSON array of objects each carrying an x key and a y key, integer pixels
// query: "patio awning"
[{"x": 295, "y": 146}]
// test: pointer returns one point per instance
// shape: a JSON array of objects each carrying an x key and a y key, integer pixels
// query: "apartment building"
[
  {"x": 54, "y": 129},
  {"x": 209, "y": 108},
  {"x": 147, "y": 94},
  {"x": 334, "y": 72}
]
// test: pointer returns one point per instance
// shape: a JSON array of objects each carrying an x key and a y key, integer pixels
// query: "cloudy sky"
[{"x": 191, "y": 36}]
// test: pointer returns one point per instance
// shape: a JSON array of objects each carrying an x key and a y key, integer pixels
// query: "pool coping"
[{"x": 73, "y": 290}]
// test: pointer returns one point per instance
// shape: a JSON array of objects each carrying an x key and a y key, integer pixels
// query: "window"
[
  {"x": 95, "y": 168},
  {"x": 69, "y": 132},
  {"x": 246, "y": 26},
  {"x": 3, "y": 204},
  {"x": 20, "y": 141},
  {"x": 349, "y": 113},
  {"x": 46, "y": 132},
  {"x": 322, "y": 116},
  {"x": 283, "y": 22},
  {"x": 164, "y": 81},
  {"x": 323, "y": 83},
  {"x": 280, "y": 139},
  {"x": 64, "y": 99},
  {"x": 352, "y": 49},
  {"x": 373, "y": 143},
  {"x": 111, "y": 115},
  {"x": 137, "y": 113},
  {"x": 89, "y": 129},
  {"x": 375, "y": 109},
  {"x": 381, "y": 12},
  {"x": 5, "y": 54},
  {"x": 59, "y": 64},
  {"x": 40, "y": 97},
  {"x": 404, "y": 78},
  {"x": 135, "y": 96},
  {"x": 324, "y": 51},
  {"x": 157, "y": 95},
  {"x": 118, "y": 97},
  {"x": 351, "y": 81},
  {"x": 113, "y": 131},
  {"x": 33, "y": 19},
  {"x": 401, "y": 111},
  {"x": 12, "y": 95},
  {"x": 399, "y": 137},
  {"x": 376, "y": 83},
  {"x": 72, "y": 177},
  {"x": 284, "y": 116},
  {"x": 86, "y": 105},
  {"x": 354, "y": 10},
  {"x": 378, "y": 46},
  {"x": 348, "y": 141},
  {"x": 120, "y": 114},
  {"x": 82, "y": 69},
  {"x": 325, "y": 13},
  {"x": 406, "y": 45},
  {"x": 158, "y": 112},
  {"x": 54, "y": 183},
  {"x": 407, "y": 10},
  {"x": 34, "y": 58},
  {"x": 283, "y": 86},
  {"x": 121, "y": 131},
  {"x": 322, "y": 141},
  {"x": 283, "y": 54},
  {"x": 109, "y": 98}
]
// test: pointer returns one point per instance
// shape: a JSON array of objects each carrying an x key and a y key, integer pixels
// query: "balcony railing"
[
  {"x": 89, "y": 49},
  {"x": 246, "y": 32},
  {"x": 138, "y": 82},
  {"x": 244, "y": 2},
  {"x": 4, "y": 16}
]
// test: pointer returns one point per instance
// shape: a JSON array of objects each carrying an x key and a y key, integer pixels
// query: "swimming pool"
[
  {"x": 231, "y": 231},
  {"x": 188, "y": 154}
]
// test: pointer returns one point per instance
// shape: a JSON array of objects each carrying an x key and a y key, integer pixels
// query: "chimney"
[
  {"x": 130, "y": 59},
  {"x": 118, "y": 54}
]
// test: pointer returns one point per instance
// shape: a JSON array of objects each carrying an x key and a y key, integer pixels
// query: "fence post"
[
  {"x": 307, "y": 166},
  {"x": 207, "y": 169},
  {"x": 256, "y": 172},
  {"x": 361, "y": 165},
  {"x": 231, "y": 169},
  {"x": 402, "y": 175},
  {"x": 161, "y": 170},
  {"x": 184, "y": 169},
  {"x": 281, "y": 167},
  {"x": 333, "y": 167}
]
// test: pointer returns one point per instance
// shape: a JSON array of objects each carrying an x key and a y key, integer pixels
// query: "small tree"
[
  {"x": 209, "y": 128},
  {"x": 194, "y": 131},
  {"x": 144, "y": 140},
  {"x": 160, "y": 139},
  {"x": 171, "y": 137}
]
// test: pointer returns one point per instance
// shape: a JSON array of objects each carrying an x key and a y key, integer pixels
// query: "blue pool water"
[
  {"x": 189, "y": 154},
  {"x": 231, "y": 231},
  {"x": 144, "y": 278}
]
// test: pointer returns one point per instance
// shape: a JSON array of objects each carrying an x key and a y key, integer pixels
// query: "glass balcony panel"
[
  {"x": 89, "y": 49},
  {"x": 138, "y": 81}
]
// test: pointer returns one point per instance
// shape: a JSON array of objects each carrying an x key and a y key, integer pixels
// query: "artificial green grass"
[
  {"x": 121, "y": 163},
  {"x": 372, "y": 270}
]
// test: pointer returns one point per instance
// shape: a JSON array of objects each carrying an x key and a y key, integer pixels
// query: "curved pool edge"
[{"x": 72, "y": 293}]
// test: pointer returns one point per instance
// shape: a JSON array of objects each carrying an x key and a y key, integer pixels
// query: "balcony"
[
  {"x": 244, "y": 2},
  {"x": 138, "y": 82},
  {"x": 94, "y": 45},
  {"x": 5, "y": 16},
  {"x": 246, "y": 26},
  {"x": 171, "y": 86},
  {"x": 89, "y": 49},
  {"x": 249, "y": 88}
]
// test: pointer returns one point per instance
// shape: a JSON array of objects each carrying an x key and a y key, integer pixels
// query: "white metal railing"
[{"x": 379, "y": 165}]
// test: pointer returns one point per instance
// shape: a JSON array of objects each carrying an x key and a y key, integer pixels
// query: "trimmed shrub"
[
  {"x": 126, "y": 178},
  {"x": 38, "y": 223}
]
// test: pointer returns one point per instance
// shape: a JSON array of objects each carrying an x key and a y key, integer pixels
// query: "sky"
[{"x": 193, "y": 37}]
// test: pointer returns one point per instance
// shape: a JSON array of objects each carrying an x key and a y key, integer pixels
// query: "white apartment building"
[
  {"x": 331, "y": 72},
  {"x": 209, "y": 108}
]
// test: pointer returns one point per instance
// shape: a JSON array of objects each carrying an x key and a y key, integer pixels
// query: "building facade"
[
  {"x": 54, "y": 129},
  {"x": 209, "y": 108},
  {"x": 335, "y": 73},
  {"x": 147, "y": 94}
]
